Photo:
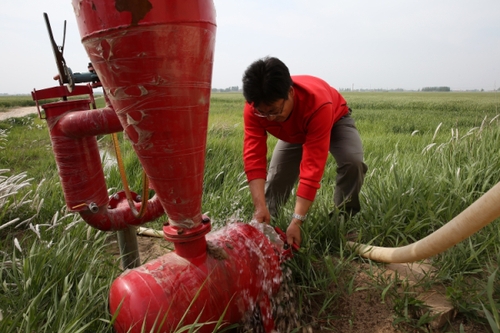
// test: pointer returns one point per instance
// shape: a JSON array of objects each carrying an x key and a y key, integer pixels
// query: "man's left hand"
[{"x": 293, "y": 233}]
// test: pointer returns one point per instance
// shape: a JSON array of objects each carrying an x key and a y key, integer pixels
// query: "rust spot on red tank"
[{"x": 138, "y": 8}]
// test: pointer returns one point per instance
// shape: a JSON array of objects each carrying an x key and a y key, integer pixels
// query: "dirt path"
[{"x": 17, "y": 112}]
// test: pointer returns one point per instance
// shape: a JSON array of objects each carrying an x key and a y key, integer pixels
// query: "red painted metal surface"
[
  {"x": 191, "y": 243},
  {"x": 240, "y": 270},
  {"x": 154, "y": 58},
  {"x": 60, "y": 91},
  {"x": 78, "y": 159},
  {"x": 73, "y": 129}
]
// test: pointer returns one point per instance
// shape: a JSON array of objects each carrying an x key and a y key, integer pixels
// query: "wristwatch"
[{"x": 299, "y": 217}]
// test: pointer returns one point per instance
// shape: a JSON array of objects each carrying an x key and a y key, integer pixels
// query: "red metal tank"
[
  {"x": 154, "y": 59},
  {"x": 240, "y": 270}
]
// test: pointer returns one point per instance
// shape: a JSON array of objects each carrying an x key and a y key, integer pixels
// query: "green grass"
[
  {"x": 57, "y": 282},
  {"x": 7, "y": 102},
  {"x": 28, "y": 146},
  {"x": 430, "y": 155}
]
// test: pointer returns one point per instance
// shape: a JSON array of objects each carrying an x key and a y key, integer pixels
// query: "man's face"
[{"x": 278, "y": 110}]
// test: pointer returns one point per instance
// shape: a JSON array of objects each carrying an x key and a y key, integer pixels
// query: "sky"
[{"x": 360, "y": 44}]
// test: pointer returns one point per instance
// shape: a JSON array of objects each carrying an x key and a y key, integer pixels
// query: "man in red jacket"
[{"x": 309, "y": 118}]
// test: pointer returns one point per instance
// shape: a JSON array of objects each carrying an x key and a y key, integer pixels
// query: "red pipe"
[
  {"x": 121, "y": 218},
  {"x": 72, "y": 128},
  {"x": 90, "y": 123},
  {"x": 189, "y": 243},
  {"x": 78, "y": 159}
]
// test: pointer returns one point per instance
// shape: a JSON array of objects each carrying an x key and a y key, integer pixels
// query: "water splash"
[
  {"x": 284, "y": 304},
  {"x": 270, "y": 233},
  {"x": 285, "y": 308}
]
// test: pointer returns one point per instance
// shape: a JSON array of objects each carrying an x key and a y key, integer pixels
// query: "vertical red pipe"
[
  {"x": 78, "y": 160},
  {"x": 154, "y": 59}
]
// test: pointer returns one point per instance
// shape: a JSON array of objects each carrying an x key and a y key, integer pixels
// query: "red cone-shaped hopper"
[{"x": 154, "y": 59}]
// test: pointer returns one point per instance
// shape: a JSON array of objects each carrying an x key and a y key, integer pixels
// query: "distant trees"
[
  {"x": 229, "y": 89},
  {"x": 436, "y": 89}
]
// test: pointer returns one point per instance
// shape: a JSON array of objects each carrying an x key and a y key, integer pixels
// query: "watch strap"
[{"x": 299, "y": 217}]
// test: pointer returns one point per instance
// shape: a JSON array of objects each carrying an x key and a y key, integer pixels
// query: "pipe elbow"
[
  {"x": 122, "y": 217},
  {"x": 90, "y": 123}
]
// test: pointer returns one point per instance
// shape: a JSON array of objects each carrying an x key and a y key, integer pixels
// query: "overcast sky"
[{"x": 367, "y": 44}]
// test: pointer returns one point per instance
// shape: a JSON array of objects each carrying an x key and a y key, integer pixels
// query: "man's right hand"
[{"x": 261, "y": 214}]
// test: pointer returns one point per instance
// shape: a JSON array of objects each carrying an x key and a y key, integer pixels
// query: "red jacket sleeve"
[{"x": 254, "y": 146}]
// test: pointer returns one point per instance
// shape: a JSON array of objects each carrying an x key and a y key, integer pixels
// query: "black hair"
[{"x": 266, "y": 81}]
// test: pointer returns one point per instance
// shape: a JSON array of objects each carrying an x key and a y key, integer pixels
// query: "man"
[{"x": 309, "y": 118}]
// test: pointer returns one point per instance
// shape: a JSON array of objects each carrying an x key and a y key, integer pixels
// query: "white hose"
[
  {"x": 475, "y": 217},
  {"x": 149, "y": 232}
]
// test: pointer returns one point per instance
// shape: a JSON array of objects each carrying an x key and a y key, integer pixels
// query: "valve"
[
  {"x": 287, "y": 249},
  {"x": 85, "y": 77}
]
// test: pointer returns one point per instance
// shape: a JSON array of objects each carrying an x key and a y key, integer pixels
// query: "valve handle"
[
  {"x": 288, "y": 250},
  {"x": 65, "y": 75}
]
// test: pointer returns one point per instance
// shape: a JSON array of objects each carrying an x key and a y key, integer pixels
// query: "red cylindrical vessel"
[
  {"x": 154, "y": 59},
  {"x": 241, "y": 269}
]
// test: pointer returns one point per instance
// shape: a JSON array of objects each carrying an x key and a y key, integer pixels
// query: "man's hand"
[
  {"x": 261, "y": 214},
  {"x": 293, "y": 233}
]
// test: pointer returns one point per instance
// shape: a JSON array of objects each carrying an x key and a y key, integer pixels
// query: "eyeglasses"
[{"x": 272, "y": 113}]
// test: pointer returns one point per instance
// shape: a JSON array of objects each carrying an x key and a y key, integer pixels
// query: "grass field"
[
  {"x": 7, "y": 102},
  {"x": 430, "y": 155}
]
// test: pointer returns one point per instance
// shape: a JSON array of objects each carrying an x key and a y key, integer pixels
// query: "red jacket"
[{"x": 317, "y": 106}]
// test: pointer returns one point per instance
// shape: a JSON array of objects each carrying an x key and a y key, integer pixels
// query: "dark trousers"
[{"x": 345, "y": 147}]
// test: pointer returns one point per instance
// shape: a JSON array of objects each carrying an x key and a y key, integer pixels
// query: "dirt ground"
[{"x": 18, "y": 112}]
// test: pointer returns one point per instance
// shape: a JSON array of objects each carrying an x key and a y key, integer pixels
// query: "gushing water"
[{"x": 284, "y": 304}]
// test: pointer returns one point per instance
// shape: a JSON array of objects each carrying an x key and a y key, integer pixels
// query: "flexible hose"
[
  {"x": 475, "y": 217},
  {"x": 145, "y": 182}
]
